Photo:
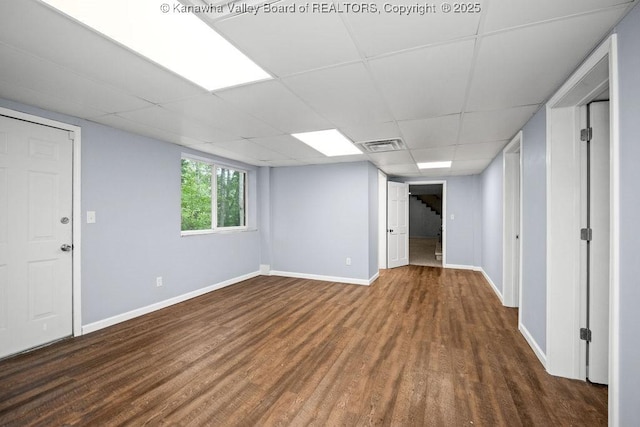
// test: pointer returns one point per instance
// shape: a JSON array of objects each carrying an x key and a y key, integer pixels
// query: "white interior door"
[
  {"x": 398, "y": 224},
  {"x": 35, "y": 268},
  {"x": 599, "y": 245},
  {"x": 511, "y": 225}
]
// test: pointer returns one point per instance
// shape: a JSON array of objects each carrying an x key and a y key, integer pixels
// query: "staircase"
[{"x": 432, "y": 201}]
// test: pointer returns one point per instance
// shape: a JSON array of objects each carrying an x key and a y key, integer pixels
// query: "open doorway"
[
  {"x": 582, "y": 234},
  {"x": 425, "y": 224}
]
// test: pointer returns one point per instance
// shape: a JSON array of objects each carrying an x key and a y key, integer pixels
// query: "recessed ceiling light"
[
  {"x": 328, "y": 142},
  {"x": 168, "y": 34},
  {"x": 434, "y": 165}
]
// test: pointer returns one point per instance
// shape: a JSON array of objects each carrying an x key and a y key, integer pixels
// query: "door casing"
[
  {"x": 564, "y": 348},
  {"x": 444, "y": 214}
]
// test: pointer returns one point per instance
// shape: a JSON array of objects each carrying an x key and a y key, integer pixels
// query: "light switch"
[
  {"x": 91, "y": 217},
  {"x": 453, "y": 217}
]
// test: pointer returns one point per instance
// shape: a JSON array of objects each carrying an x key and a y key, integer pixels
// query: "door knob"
[{"x": 66, "y": 248}]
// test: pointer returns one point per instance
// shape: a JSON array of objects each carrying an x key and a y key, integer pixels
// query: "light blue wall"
[
  {"x": 534, "y": 229},
  {"x": 320, "y": 215},
  {"x": 464, "y": 239},
  {"x": 492, "y": 219},
  {"x": 264, "y": 219},
  {"x": 423, "y": 222},
  {"x": 133, "y": 184},
  {"x": 629, "y": 72}
]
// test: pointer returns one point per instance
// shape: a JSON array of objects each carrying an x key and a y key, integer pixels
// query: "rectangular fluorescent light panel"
[
  {"x": 434, "y": 165},
  {"x": 328, "y": 142},
  {"x": 179, "y": 41}
]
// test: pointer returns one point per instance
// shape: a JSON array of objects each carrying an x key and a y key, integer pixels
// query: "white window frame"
[{"x": 214, "y": 197}]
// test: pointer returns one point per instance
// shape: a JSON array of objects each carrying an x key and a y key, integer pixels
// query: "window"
[
  {"x": 230, "y": 192},
  {"x": 202, "y": 190}
]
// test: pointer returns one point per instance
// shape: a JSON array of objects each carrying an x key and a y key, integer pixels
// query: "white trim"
[
  {"x": 101, "y": 324},
  {"x": 614, "y": 258},
  {"x": 444, "y": 213},
  {"x": 533, "y": 344},
  {"x": 347, "y": 280},
  {"x": 382, "y": 220},
  {"x": 462, "y": 267},
  {"x": 563, "y": 310},
  {"x": 374, "y": 277},
  {"x": 493, "y": 285},
  {"x": 76, "y": 274},
  {"x": 508, "y": 245},
  {"x": 265, "y": 270}
]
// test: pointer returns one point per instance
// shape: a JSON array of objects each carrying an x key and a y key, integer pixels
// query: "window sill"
[{"x": 226, "y": 231}]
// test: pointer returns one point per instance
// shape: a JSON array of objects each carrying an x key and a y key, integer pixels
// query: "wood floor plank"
[{"x": 421, "y": 346}]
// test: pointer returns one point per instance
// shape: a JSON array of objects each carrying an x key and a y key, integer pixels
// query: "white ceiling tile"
[
  {"x": 64, "y": 41},
  {"x": 144, "y": 130},
  {"x": 508, "y": 13},
  {"x": 474, "y": 166},
  {"x": 276, "y": 105},
  {"x": 525, "y": 66},
  {"x": 427, "y": 82},
  {"x": 288, "y": 146},
  {"x": 286, "y": 43},
  {"x": 286, "y": 162},
  {"x": 371, "y": 131},
  {"x": 434, "y": 132},
  {"x": 434, "y": 173},
  {"x": 217, "y": 150},
  {"x": 23, "y": 69},
  {"x": 484, "y": 150},
  {"x": 335, "y": 159},
  {"x": 485, "y": 126},
  {"x": 170, "y": 121},
  {"x": 345, "y": 95},
  {"x": 387, "y": 31},
  {"x": 215, "y": 112},
  {"x": 434, "y": 154},
  {"x": 401, "y": 170},
  {"x": 251, "y": 150},
  {"x": 51, "y": 103},
  {"x": 391, "y": 158}
]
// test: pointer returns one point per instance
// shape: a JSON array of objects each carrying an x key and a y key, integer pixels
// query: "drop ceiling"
[{"x": 451, "y": 86}]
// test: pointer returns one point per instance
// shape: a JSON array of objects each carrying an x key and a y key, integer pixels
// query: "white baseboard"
[
  {"x": 374, "y": 277},
  {"x": 493, "y": 285},
  {"x": 347, "y": 280},
  {"x": 265, "y": 269},
  {"x": 101, "y": 324},
  {"x": 533, "y": 344},
  {"x": 463, "y": 267}
]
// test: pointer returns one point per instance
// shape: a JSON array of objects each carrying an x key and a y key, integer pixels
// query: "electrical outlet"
[
  {"x": 348, "y": 261},
  {"x": 159, "y": 281}
]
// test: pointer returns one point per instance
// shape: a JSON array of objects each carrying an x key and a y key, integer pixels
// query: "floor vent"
[{"x": 383, "y": 145}]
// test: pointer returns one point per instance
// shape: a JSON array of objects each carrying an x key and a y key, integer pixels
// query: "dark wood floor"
[{"x": 421, "y": 346}]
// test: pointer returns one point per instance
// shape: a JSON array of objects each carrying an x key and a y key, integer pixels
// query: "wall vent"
[{"x": 383, "y": 145}]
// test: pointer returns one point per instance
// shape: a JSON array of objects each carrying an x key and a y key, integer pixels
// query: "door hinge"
[
  {"x": 586, "y": 234},
  {"x": 585, "y": 334},
  {"x": 586, "y": 134}
]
